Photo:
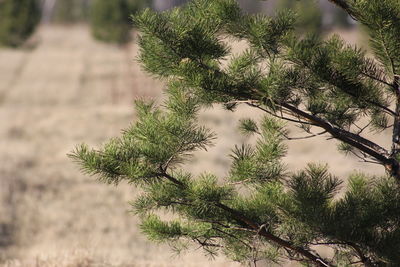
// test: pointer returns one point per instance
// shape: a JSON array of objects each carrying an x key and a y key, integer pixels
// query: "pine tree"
[
  {"x": 110, "y": 20},
  {"x": 18, "y": 20},
  {"x": 262, "y": 210},
  {"x": 71, "y": 11}
]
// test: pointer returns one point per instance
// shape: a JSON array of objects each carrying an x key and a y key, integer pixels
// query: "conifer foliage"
[
  {"x": 18, "y": 20},
  {"x": 110, "y": 20},
  {"x": 325, "y": 87}
]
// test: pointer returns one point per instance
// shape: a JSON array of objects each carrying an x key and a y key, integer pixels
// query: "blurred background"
[{"x": 68, "y": 75}]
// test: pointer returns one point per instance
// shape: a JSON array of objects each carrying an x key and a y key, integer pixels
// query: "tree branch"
[
  {"x": 262, "y": 231},
  {"x": 233, "y": 236},
  {"x": 305, "y": 137},
  {"x": 357, "y": 141},
  {"x": 377, "y": 104},
  {"x": 376, "y": 79},
  {"x": 368, "y": 147},
  {"x": 364, "y": 259},
  {"x": 277, "y": 116}
]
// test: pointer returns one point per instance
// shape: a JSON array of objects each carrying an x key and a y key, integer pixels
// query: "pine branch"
[
  {"x": 385, "y": 49},
  {"x": 312, "y": 83},
  {"x": 363, "y": 258},
  {"x": 233, "y": 236},
  {"x": 350, "y": 93},
  {"x": 362, "y": 129},
  {"x": 377, "y": 79},
  {"x": 305, "y": 137},
  {"x": 261, "y": 230},
  {"x": 364, "y": 158},
  {"x": 172, "y": 179},
  {"x": 357, "y": 141},
  {"x": 205, "y": 243},
  {"x": 281, "y": 116}
]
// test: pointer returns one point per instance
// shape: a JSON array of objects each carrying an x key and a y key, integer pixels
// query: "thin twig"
[
  {"x": 305, "y": 137},
  {"x": 280, "y": 117}
]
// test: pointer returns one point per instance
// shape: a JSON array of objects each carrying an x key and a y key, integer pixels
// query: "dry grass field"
[{"x": 69, "y": 89}]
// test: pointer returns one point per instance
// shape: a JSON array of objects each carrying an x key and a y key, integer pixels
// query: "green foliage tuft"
[{"x": 248, "y": 126}]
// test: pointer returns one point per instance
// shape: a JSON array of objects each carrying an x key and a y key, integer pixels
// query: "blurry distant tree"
[
  {"x": 262, "y": 210},
  {"x": 71, "y": 11},
  {"x": 110, "y": 20},
  {"x": 161, "y": 5},
  {"x": 137, "y": 5},
  {"x": 18, "y": 20},
  {"x": 309, "y": 14}
]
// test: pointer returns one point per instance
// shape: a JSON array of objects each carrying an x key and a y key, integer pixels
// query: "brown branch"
[
  {"x": 205, "y": 243},
  {"x": 233, "y": 236},
  {"x": 248, "y": 223},
  {"x": 305, "y": 137},
  {"x": 281, "y": 116},
  {"x": 317, "y": 261},
  {"x": 376, "y": 79},
  {"x": 368, "y": 147},
  {"x": 361, "y": 129},
  {"x": 350, "y": 138},
  {"x": 230, "y": 227},
  {"x": 269, "y": 236},
  {"x": 360, "y": 254},
  {"x": 385, "y": 109},
  {"x": 364, "y": 158},
  {"x": 364, "y": 259},
  {"x": 172, "y": 179}
]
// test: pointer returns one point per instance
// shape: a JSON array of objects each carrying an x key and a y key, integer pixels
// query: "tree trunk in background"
[{"x": 47, "y": 10}]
